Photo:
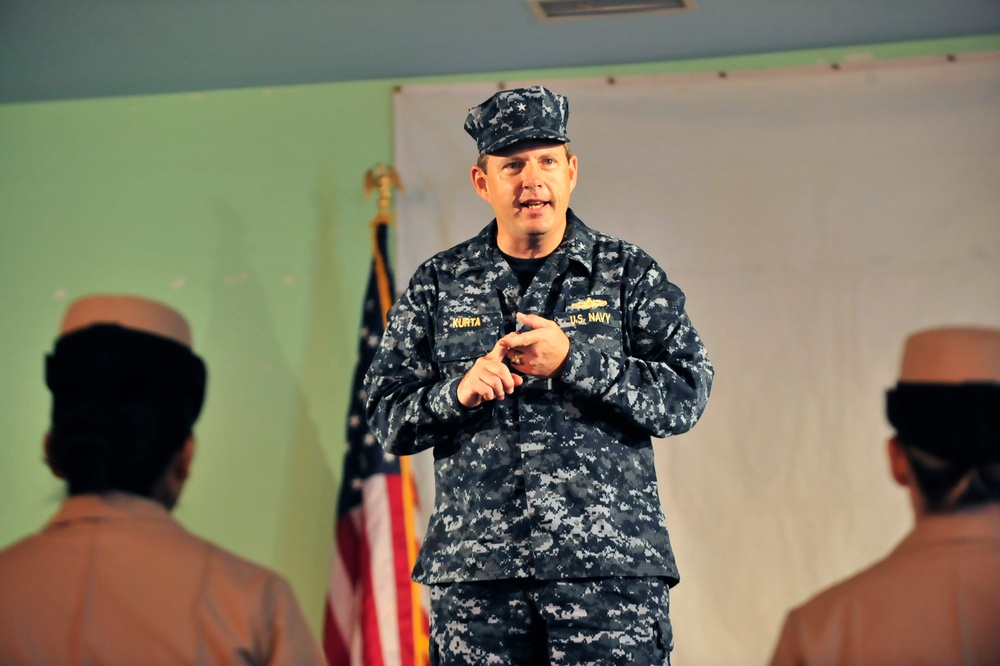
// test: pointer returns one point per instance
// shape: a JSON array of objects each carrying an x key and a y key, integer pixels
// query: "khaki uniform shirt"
[
  {"x": 114, "y": 579},
  {"x": 934, "y": 600}
]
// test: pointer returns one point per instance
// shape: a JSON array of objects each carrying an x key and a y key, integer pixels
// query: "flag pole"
[
  {"x": 383, "y": 178},
  {"x": 375, "y": 613}
]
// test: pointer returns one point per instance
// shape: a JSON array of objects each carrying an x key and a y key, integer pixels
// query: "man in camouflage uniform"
[{"x": 536, "y": 360}]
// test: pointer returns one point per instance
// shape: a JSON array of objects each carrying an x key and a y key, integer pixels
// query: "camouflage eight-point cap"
[{"x": 522, "y": 114}]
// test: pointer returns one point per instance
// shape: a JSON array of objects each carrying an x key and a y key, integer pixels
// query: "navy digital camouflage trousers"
[{"x": 529, "y": 622}]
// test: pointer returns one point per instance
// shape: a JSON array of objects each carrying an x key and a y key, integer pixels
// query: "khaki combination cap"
[
  {"x": 128, "y": 311},
  {"x": 951, "y": 355}
]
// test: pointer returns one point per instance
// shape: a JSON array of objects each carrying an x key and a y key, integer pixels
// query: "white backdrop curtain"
[{"x": 814, "y": 217}]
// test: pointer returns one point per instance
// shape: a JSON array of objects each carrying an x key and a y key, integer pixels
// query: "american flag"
[{"x": 375, "y": 615}]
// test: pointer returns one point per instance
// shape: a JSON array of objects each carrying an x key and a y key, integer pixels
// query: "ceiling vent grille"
[{"x": 556, "y": 10}]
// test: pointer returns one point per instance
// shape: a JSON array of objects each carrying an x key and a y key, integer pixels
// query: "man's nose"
[{"x": 530, "y": 175}]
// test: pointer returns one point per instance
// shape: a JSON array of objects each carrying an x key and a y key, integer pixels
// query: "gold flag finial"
[{"x": 383, "y": 178}]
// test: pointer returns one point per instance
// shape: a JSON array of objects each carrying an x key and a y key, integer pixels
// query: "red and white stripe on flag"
[{"x": 375, "y": 615}]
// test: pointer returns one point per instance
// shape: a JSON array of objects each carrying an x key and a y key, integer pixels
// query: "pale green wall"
[{"x": 245, "y": 210}]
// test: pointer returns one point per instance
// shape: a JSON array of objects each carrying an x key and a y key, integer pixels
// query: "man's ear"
[
  {"x": 899, "y": 464},
  {"x": 184, "y": 458},
  {"x": 169, "y": 488},
  {"x": 574, "y": 164},
  {"x": 478, "y": 177},
  {"x": 46, "y": 444}
]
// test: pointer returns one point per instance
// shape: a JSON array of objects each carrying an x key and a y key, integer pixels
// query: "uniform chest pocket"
[
  {"x": 601, "y": 327},
  {"x": 462, "y": 338}
]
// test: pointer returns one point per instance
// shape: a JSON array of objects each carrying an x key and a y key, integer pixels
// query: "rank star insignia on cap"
[{"x": 521, "y": 114}]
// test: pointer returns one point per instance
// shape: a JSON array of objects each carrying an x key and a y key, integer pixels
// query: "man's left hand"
[{"x": 539, "y": 352}]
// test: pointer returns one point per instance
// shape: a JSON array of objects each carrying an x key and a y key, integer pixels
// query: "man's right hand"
[{"x": 488, "y": 379}]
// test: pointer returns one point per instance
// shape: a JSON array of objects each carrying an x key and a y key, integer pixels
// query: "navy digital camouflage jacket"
[{"x": 557, "y": 479}]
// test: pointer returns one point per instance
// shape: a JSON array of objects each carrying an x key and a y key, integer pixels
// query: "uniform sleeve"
[
  {"x": 662, "y": 381},
  {"x": 293, "y": 643},
  {"x": 410, "y": 407}
]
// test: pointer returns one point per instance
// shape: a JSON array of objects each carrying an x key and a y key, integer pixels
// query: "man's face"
[{"x": 528, "y": 187}]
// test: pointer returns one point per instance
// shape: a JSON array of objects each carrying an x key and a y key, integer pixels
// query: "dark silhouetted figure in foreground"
[
  {"x": 113, "y": 578},
  {"x": 935, "y": 599}
]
